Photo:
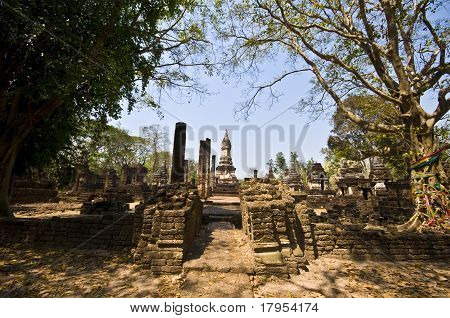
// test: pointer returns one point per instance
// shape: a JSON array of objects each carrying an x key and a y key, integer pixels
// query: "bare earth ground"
[
  {"x": 328, "y": 277},
  {"x": 37, "y": 210},
  {"x": 42, "y": 272}
]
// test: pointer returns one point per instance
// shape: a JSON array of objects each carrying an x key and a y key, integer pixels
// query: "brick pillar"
[
  {"x": 207, "y": 167},
  {"x": 179, "y": 147},
  {"x": 213, "y": 172},
  {"x": 201, "y": 168}
]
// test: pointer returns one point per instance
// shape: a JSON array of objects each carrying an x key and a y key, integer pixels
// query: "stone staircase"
[
  {"x": 226, "y": 190},
  {"x": 223, "y": 214}
]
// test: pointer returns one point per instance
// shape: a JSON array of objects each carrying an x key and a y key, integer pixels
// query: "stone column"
[
  {"x": 213, "y": 172},
  {"x": 207, "y": 167},
  {"x": 201, "y": 168},
  {"x": 186, "y": 171},
  {"x": 179, "y": 147},
  {"x": 255, "y": 174}
]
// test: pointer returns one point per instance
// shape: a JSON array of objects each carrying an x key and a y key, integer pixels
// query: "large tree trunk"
[
  {"x": 430, "y": 209},
  {"x": 15, "y": 126},
  {"x": 76, "y": 179},
  {"x": 8, "y": 155}
]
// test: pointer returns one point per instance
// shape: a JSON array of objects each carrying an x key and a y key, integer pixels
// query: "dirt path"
[
  {"x": 221, "y": 248},
  {"x": 221, "y": 261}
]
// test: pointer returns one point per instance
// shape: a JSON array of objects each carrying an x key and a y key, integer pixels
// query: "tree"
[
  {"x": 156, "y": 160},
  {"x": 87, "y": 59},
  {"x": 280, "y": 165},
  {"x": 158, "y": 140},
  {"x": 304, "y": 168},
  {"x": 116, "y": 148},
  {"x": 396, "y": 50},
  {"x": 193, "y": 167},
  {"x": 353, "y": 142},
  {"x": 60, "y": 147},
  {"x": 294, "y": 163}
]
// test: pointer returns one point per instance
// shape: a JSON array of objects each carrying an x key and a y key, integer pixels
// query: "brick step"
[
  {"x": 232, "y": 216},
  {"x": 225, "y": 194},
  {"x": 224, "y": 203},
  {"x": 223, "y": 268}
]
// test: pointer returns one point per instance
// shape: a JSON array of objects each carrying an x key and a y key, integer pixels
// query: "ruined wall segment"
[
  {"x": 269, "y": 220},
  {"x": 286, "y": 228},
  {"x": 170, "y": 221},
  {"x": 109, "y": 231}
]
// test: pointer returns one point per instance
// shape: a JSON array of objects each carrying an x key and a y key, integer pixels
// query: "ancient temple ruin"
[
  {"x": 287, "y": 224},
  {"x": 225, "y": 178},
  {"x": 379, "y": 174},
  {"x": 351, "y": 179},
  {"x": 317, "y": 178},
  {"x": 203, "y": 169},
  {"x": 179, "y": 147},
  {"x": 293, "y": 178}
]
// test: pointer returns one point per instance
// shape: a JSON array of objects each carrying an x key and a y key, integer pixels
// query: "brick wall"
[
  {"x": 113, "y": 231},
  {"x": 392, "y": 207},
  {"x": 27, "y": 191},
  {"x": 285, "y": 231},
  {"x": 354, "y": 242}
]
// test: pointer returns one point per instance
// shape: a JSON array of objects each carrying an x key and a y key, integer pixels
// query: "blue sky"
[{"x": 265, "y": 133}]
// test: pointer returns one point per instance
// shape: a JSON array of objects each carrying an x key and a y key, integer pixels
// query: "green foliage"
[
  {"x": 100, "y": 146},
  {"x": 331, "y": 165},
  {"x": 270, "y": 165},
  {"x": 193, "y": 165},
  {"x": 304, "y": 168},
  {"x": 94, "y": 58},
  {"x": 88, "y": 53},
  {"x": 59, "y": 145},
  {"x": 115, "y": 149},
  {"x": 280, "y": 165},
  {"x": 294, "y": 163},
  {"x": 156, "y": 160},
  {"x": 350, "y": 141}
]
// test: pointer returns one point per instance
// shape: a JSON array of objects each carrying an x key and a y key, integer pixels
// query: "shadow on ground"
[{"x": 30, "y": 271}]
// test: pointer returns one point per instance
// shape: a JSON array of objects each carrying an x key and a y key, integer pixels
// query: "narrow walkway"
[{"x": 221, "y": 262}]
